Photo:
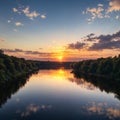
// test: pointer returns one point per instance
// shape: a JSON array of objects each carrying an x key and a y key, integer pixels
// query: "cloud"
[
  {"x": 77, "y": 45},
  {"x": 107, "y": 42},
  {"x": 100, "y": 5},
  {"x": 18, "y": 24},
  {"x": 36, "y": 53},
  {"x": 100, "y": 12},
  {"x": 94, "y": 43},
  {"x": 114, "y": 5},
  {"x": 95, "y": 12},
  {"x": 26, "y": 10},
  {"x": 16, "y": 50},
  {"x": 30, "y": 15},
  {"x": 89, "y": 37},
  {"x": 11, "y": 50},
  {"x": 43, "y": 16},
  {"x": 15, "y": 30},
  {"x": 9, "y": 21},
  {"x": 2, "y": 40},
  {"x": 117, "y": 17},
  {"x": 15, "y": 10},
  {"x": 105, "y": 45}
]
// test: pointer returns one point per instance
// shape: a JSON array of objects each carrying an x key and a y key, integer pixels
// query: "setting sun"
[{"x": 60, "y": 58}]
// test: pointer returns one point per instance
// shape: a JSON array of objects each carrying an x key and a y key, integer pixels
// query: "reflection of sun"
[{"x": 59, "y": 74}]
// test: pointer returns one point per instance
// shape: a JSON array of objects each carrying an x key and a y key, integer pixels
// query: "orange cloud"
[
  {"x": 2, "y": 40},
  {"x": 114, "y": 5}
]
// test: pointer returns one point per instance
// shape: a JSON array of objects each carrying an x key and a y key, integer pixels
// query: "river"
[{"x": 58, "y": 95}]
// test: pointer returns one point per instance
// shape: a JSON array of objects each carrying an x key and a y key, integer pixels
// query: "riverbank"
[
  {"x": 12, "y": 67},
  {"x": 102, "y": 67}
]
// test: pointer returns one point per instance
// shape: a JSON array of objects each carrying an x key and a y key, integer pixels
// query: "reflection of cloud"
[
  {"x": 104, "y": 109},
  {"x": 82, "y": 83},
  {"x": 113, "y": 113},
  {"x": 29, "y": 110},
  {"x": 34, "y": 108},
  {"x": 96, "y": 108},
  {"x": 17, "y": 100}
]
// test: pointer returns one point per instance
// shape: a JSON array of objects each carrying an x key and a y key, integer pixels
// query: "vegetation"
[
  {"x": 107, "y": 67},
  {"x": 12, "y": 67}
]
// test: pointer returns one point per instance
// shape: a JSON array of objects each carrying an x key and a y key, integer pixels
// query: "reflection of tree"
[
  {"x": 6, "y": 90},
  {"x": 104, "y": 84},
  {"x": 82, "y": 83}
]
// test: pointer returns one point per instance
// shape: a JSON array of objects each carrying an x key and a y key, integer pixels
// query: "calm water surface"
[{"x": 57, "y": 95}]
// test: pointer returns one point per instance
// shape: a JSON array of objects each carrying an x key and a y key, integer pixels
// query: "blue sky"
[{"x": 52, "y": 25}]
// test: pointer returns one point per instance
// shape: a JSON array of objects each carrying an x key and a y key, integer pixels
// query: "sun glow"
[
  {"x": 60, "y": 58},
  {"x": 60, "y": 74}
]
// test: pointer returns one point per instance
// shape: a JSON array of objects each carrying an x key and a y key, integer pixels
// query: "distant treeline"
[
  {"x": 12, "y": 67},
  {"x": 107, "y": 67}
]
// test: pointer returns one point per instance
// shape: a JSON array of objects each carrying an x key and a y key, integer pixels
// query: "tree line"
[
  {"x": 12, "y": 67},
  {"x": 108, "y": 67}
]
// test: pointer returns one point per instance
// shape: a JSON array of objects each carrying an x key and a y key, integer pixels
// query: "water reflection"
[
  {"x": 112, "y": 112},
  {"x": 33, "y": 108},
  {"x": 59, "y": 95},
  {"x": 104, "y": 84},
  {"x": 82, "y": 83},
  {"x": 58, "y": 73},
  {"x": 6, "y": 90}
]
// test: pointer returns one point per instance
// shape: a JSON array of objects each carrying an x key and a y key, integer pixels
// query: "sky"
[{"x": 60, "y": 30}]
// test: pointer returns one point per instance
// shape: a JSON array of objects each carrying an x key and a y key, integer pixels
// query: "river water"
[{"x": 58, "y": 95}]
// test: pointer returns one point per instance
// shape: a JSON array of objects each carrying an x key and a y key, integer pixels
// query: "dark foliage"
[
  {"x": 13, "y": 67},
  {"x": 12, "y": 86},
  {"x": 104, "y": 84},
  {"x": 107, "y": 67}
]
